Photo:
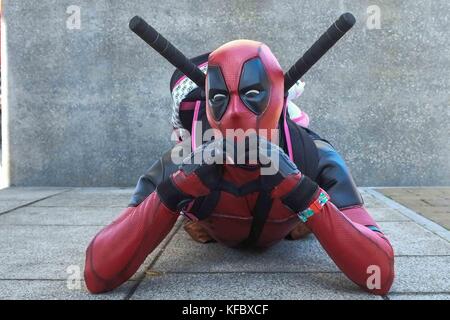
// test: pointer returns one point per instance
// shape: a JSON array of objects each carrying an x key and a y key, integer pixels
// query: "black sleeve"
[
  {"x": 158, "y": 172},
  {"x": 335, "y": 178}
]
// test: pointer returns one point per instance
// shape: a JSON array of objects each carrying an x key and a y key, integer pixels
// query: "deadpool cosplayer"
[{"x": 311, "y": 191}]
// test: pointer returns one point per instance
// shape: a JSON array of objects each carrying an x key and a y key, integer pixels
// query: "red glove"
[{"x": 196, "y": 177}]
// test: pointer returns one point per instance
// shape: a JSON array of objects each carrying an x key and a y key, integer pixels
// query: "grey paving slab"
[
  {"x": 28, "y": 194},
  {"x": 408, "y": 238},
  {"x": 422, "y": 274},
  {"x": 412, "y": 215},
  {"x": 298, "y": 286},
  {"x": 386, "y": 214},
  {"x": 55, "y": 290},
  {"x": 185, "y": 255},
  {"x": 371, "y": 202},
  {"x": 45, "y": 252},
  {"x": 34, "y": 215},
  {"x": 42, "y": 252},
  {"x": 413, "y": 296},
  {"x": 11, "y": 198},
  {"x": 39, "y": 242},
  {"x": 90, "y": 197}
]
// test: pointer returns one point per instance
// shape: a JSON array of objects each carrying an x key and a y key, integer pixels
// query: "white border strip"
[
  {"x": 5, "y": 170},
  {"x": 419, "y": 219}
]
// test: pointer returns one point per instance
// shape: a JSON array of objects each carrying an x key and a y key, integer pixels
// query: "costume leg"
[
  {"x": 300, "y": 231},
  {"x": 197, "y": 232}
]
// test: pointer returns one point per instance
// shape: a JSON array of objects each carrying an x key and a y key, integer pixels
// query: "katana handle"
[
  {"x": 318, "y": 49},
  {"x": 155, "y": 40}
]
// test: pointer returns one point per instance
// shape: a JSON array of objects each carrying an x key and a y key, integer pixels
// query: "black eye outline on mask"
[
  {"x": 254, "y": 86},
  {"x": 218, "y": 94}
]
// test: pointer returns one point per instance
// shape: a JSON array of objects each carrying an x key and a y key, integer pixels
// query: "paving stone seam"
[
  {"x": 161, "y": 273},
  {"x": 59, "y": 206},
  {"x": 33, "y": 279},
  {"x": 384, "y": 221},
  {"x": 102, "y": 225},
  {"x": 45, "y": 279},
  {"x": 51, "y": 225},
  {"x": 414, "y": 216},
  {"x": 421, "y": 255},
  {"x": 33, "y": 202},
  {"x": 417, "y": 293}
]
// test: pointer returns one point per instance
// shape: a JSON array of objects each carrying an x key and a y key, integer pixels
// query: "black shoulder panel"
[
  {"x": 147, "y": 183},
  {"x": 335, "y": 178}
]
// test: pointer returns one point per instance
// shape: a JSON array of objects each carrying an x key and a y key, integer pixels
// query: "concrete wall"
[{"x": 90, "y": 107}]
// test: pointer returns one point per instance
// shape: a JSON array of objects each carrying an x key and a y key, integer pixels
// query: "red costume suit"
[{"x": 236, "y": 205}]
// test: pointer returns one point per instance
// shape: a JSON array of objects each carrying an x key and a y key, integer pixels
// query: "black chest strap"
[
  {"x": 260, "y": 214},
  {"x": 306, "y": 158},
  {"x": 305, "y": 153},
  {"x": 203, "y": 207}
]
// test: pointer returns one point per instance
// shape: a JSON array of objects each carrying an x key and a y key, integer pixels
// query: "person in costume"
[{"x": 312, "y": 189}]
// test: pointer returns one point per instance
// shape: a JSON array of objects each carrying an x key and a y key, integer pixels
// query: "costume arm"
[
  {"x": 354, "y": 242},
  {"x": 118, "y": 250},
  {"x": 345, "y": 229}
]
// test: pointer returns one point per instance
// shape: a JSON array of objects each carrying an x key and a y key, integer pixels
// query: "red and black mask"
[{"x": 244, "y": 88}]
